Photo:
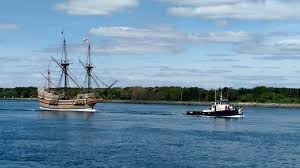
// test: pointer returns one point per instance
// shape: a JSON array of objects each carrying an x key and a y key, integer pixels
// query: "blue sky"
[{"x": 203, "y": 43}]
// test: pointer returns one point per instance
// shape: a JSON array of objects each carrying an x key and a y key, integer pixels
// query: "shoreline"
[
  {"x": 184, "y": 103},
  {"x": 246, "y": 104}
]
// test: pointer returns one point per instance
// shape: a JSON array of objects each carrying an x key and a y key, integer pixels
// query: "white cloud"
[
  {"x": 8, "y": 26},
  {"x": 94, "y": 7},
  {"x": 202, "y": 2},
  {"x": 141, "y": 33},
  {"x": 221, "y": 22},
  {"x": 130, "y": 40},
  {"x": 236, "y": 9},
  {"x": 123, "y": 47},
  {"x": 274, "y": 48},
  {"x": 222, "y": 37}
]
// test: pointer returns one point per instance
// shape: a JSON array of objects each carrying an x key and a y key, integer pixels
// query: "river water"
[{"x": 126, "y": 135}]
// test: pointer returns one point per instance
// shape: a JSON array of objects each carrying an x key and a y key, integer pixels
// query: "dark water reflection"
[
  {"x": 122, "y": 135},
  {"x": 65, "y": 115}
]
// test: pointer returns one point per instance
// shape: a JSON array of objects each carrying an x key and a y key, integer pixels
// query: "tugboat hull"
[{"x": 224, "y": 113}]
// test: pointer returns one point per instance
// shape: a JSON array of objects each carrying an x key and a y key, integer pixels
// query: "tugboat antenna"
[
  {"x": 221, "y": 95},
  {"x": 215, "y": 96}
]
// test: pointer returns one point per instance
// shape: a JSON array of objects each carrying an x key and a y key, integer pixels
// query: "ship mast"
[
  {"x": 89, "y": 67},
  {"x": 49, "y": 83},
  {"x": 64, "y": 64},
  {"x": 49, "y": 77}
]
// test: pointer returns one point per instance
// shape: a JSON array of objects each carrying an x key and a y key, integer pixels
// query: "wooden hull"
[
  {"x": 69, "y": 105},
  {"x": 49, "y": 101}
]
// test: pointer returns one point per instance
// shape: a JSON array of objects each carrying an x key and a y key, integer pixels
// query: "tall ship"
[
  {"x": 50, "y": 99},
  {"x": 220, "y": 108}
]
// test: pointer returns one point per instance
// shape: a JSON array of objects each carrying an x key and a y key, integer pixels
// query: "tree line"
[{"x": 258, "y": 94}]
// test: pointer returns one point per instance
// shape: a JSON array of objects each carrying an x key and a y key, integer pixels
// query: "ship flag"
[{"x": 85, "y": 40}]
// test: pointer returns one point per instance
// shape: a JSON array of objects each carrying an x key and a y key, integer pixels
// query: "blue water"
[{"x": 123, "y": 135}]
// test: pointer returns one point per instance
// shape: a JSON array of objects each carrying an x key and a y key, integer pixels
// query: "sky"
[{"x": 190, "y": 43}]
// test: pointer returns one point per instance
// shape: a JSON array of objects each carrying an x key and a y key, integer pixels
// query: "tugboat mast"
[
  {"x": 215, "y": 96},
  {"x": 221, "y": 95}
]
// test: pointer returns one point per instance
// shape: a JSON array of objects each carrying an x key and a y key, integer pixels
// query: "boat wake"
[{"x": 234, "y": 116}]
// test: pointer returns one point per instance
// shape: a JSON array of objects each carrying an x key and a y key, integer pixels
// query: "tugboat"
[
  {"x": 53, "y": 101},
  {"x": 220, "y": 108}
]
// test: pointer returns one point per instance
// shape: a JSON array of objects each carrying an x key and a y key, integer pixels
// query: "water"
[{"x": 123, "y": 135}]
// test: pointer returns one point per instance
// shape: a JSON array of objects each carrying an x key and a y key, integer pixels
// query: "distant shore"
[
  {"x": 248, "y": 104},
  {"x": 184, "y": 103}
]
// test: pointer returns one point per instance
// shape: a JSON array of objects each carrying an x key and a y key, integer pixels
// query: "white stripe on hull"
[{"x": 79, "y": 110}]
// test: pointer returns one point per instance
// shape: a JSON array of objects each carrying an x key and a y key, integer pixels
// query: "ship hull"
[
  {"x": 51, "y": 102},
  {"x": 66, "y": 110},
  {"x": 223, "y": 113},
  {"x": 68, "y": 105}
]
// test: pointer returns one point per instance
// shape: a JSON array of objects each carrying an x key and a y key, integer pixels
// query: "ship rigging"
[{"x": 49, "y": 100}]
